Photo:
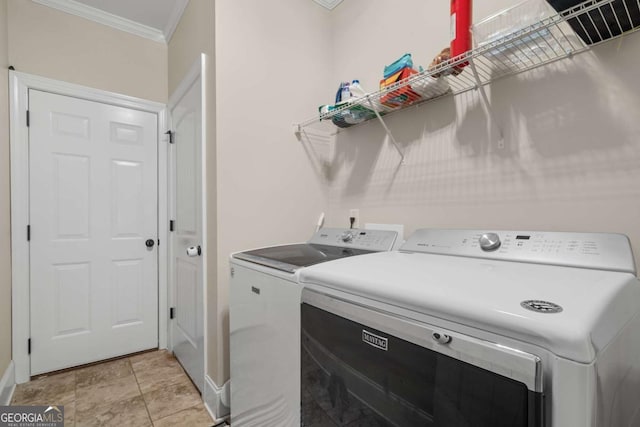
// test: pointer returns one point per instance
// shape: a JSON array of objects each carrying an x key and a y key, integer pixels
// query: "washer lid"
[
  {"x": 292, "y": 257},
  {"x": 489, "y": 295},
  {"x": 326, "y": 244}
]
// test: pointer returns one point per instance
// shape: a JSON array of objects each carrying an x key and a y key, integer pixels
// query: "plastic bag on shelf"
[
  {"x": 405, "y": 61},
  {"x": 429, "y": 87},
  {"x": 442, "y": 57},
  {"x": 351, "y": 116}
]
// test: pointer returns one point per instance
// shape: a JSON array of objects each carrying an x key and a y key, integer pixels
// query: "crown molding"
[
  {"x": 91, "y": 13},
  {"x": 174, "y": 19},
  {"x": 329, "y": 4}
]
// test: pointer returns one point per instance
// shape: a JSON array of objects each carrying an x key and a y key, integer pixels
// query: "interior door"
[
  {"x": 187, "y": 326},
  {"x": 93, "y": 216}
]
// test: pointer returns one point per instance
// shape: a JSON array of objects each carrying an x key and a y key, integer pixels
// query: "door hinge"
[
  {"x": 29, "y": 346},
  {"x": 172, "y": 313},
  {"x": 170, "y": 133},
  {"x": 158, "y": 242},
  {"x": 28, "y": 233},
  {"x": 28, "y": 119},
  {"x": 172, "y": 225}
]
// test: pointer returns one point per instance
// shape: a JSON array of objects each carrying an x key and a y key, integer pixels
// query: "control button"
[
  {"x": 489, "y": 242},
  {"x": 347, "y": 236}
]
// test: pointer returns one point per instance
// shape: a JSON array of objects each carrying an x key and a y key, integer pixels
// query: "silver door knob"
[{"x": 194, "y": 251}]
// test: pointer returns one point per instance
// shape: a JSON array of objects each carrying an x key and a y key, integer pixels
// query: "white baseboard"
[
  {"x": 216, "y": 399},
  {"x": 7, "y": 385}
]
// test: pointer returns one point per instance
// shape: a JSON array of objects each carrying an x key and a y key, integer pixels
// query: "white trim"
[
  {"x": 20, "y": 321},
  {"x": 7, "y": 385},
  {"x": 216, "y": 399},
  {"x": 19, "y": 85},
  {"x": 105, "y": 18},
  {"x": 204, "y": 63},
  {"x": 163, "y": 229},
  {"x": 174, "y": 19}
]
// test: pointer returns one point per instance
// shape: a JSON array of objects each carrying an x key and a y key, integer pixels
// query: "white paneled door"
[
  {"x": 187, "y": 327},
  {"x": 93, "y": 216}
]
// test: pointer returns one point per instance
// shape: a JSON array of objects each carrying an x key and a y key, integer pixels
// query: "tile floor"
[{"x": 149, "y": 389}]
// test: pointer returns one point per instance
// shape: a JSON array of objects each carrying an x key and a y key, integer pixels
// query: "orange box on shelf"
[
  {"x": 400, "y": 97},
  {"x": 392, "y": 79}
]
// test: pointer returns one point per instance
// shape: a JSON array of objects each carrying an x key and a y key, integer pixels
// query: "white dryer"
[
  {"x": 265, "y": 321},
  {"x": 463, "y": 328}
]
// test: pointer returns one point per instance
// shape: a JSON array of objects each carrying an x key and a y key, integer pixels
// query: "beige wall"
[
  {"x": 195, "y": 35},
  {"x": 273, "y": 67},
  {"x": 572, "y": 134},
  {"x": 54, "y": 44},
  {"x": 5, "y": 223}
]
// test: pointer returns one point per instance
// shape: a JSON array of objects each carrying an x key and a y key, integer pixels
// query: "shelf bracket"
[
  {"x": 485, "y": 101},
  {"x": 386, "y": 128}
]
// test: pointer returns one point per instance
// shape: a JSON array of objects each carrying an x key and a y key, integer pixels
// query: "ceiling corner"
[
  {"x": 174, "y": 19},
  {"x": 329, "y": 4}
]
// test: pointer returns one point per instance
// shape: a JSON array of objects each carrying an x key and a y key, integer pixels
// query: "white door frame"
[
  {"x": 197, "y": 71},
  {"x": 19, "y": 85}
]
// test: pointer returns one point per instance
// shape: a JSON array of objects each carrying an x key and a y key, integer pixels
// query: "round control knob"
[
  {"x": 347, "y": 236},
  {"x": 489, "y": 242}
]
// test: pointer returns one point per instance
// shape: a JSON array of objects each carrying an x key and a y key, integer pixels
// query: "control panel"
[
  {"x": 589, "y": 250},
  {"x": 373, "y": 240}
]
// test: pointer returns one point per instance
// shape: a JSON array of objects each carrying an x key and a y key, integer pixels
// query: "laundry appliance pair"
[{"x": 457, "y": 328}]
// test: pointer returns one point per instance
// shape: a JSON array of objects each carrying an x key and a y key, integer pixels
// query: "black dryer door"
[{"x": 355, "y": 375}]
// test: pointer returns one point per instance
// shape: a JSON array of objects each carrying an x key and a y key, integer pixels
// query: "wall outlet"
[{"x": 354, "y": 213}]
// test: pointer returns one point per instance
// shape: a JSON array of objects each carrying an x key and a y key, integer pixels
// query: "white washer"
[
  {"x": 265, "y": 321},
  {"x": 463, "y": 328}
]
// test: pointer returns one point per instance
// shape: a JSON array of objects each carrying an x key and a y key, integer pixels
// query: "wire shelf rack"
[{"x": 556, "y": 37}]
